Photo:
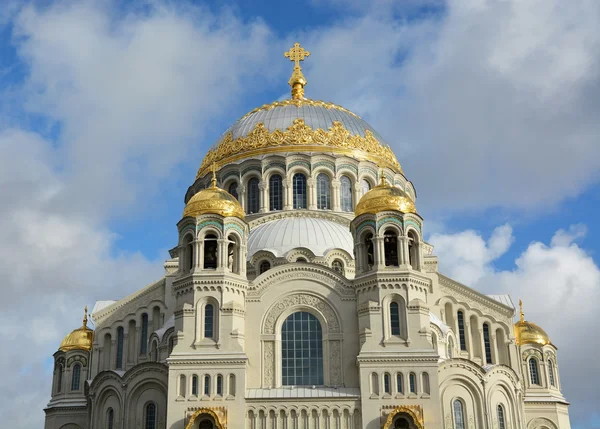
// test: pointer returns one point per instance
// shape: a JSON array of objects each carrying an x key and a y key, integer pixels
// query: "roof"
[
  {"x": 282, "y": 235},
  {"x": 503, "y": 299},
  {"x": 303, "y": 392},
  {"x": 165, "y": 327},
  {"x": 438, "y": 322}
]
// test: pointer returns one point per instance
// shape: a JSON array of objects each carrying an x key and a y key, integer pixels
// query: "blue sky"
[{"x": 108, "y": 107}]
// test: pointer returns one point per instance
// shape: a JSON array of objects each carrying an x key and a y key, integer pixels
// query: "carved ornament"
[
  {"x": 218, "y": 414},
  {"x": 414, "y": 411},
  {"x": 312, "y": 301}
]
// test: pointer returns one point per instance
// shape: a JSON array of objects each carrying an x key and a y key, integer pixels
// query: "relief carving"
[{"x": 333, "y": 325}]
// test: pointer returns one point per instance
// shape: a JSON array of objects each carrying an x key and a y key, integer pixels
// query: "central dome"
[{"x": 300, "y": 125}]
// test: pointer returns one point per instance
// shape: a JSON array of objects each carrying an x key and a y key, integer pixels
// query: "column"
[
  {"x": 264, "y": 188},
  {"x": 242, "y": 195},
  {"x": 312, "y": 194},
  {"x": 379, "y": 251},
  {"x": 222, "y": 253},
  {"x": 403, "y": 251},
  {"x": 113, "y": 354},
  {"x": 125, "y": 349},
  {"x": 483, "y": 358},
  {"x": 494, "y": 347},
  {"x": 357, "y": 193},
  {"x": 197, "y": 245},
  {"x": 335, "y": 195},
  {"x": 287, "y": 195},
  {"x": 468, "y": 334}
]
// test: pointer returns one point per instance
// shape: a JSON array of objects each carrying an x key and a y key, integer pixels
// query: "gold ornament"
[
  {"x": 79, "y": 339},
  {"x": 300, "y": 137},
  {"x": 528, "y": 332},
  {"x": 415, "y": 412},
  {"x": 385, "y": 197},
  {"x": 297, "y": 81}
]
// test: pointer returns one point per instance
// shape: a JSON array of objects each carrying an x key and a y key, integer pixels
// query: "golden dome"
[
  {"x": 528, "y": 332},
  {"x": 213, "y": 200},
  {"x": 79, "y": 339},
  {"x": 385, "y": 197}
]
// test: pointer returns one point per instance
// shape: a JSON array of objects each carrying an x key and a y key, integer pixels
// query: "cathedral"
[{"x": 300, "y": 294}]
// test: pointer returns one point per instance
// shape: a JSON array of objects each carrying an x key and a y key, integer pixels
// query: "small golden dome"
[
  {"x": 213, "y": 200},
  {"x": 79, "y": 339},
  {"x": 385, "y": 197},
  {"x": 528, "y": 332}
]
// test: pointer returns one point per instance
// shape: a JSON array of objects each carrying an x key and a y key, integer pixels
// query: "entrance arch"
[
  {"x": 404, "y": 417},
  {"x": 205, "y": 418}
]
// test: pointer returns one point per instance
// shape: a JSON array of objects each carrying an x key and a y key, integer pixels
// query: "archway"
[
  {"x": 405, "y": 417},
  {"x": 205, "y": 418}
]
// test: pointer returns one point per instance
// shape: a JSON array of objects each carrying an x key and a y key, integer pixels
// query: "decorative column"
[
  {"x": 379, "y": 251},
  {"x": 263, "y": 187},
  {"x": 483, "y": 354},
  {"x": 113, "y": 355},
  {"x": 468, "y": 334},
  {"x": 335, "y": 185},
  {"x": 312, "y": 194},
  {"x": 125, "y": 358},
  {"x": 287, "y": 195},
  {"x": 494, "y": 345},
  {"x": 403, "y": 251},
  {"x": 222, "y": 253},
  {"x": 242, "y": 195},
  {"x": 357, "y": 194},
  {"x": 196, "y": 245}
]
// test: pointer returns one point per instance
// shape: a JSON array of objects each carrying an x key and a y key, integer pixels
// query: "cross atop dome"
[{"x": 297, "y": 81}]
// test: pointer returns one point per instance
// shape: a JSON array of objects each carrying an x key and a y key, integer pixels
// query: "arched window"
[
  {"x": 155, "y": 351},
  {"x": 107, "y": 352},
  {"x": 323, "y": 192},
  {"x": 395, "y": 318},
  {"x": 252, "y": 196},
  {"x": 210, "y": 251},
  {"x": 551, "y": 373},
  {"x": 450, "y": 348},
  {"x": 110, "y": 419},
  {"x": 399, "y": 383},
  {"x": 299, "y": 188},
  {"x": 301, "y": 260},
  {"x": 233, "y": 254},
  {"x": 374, "y": 383},
  {"x": 209, "y": 321},
  {"x": 387, "y": 384},
  {"x": 120, "y": 339},
  {"x": 75, "y": 377},
  {"x": 231, "y": 391},
  {"x": 59, "y": 376},
  {"x": 233, "y": 190},
  {"x": 194, "y": 385},
  {"x": 390, "y": 248},
  {"x": 459, "y": 415},
  {"x": 413, "y": 246},
  {"x": 182, "y": 382},
  {"x": 412, "y": 381},
  {"x": 151, "y": 416},
  {"x": 461, "y": 330},
  {"x": 207, "y": 385},
  {"x": 487, "y": 344},
  {"x": 534, "y": 372},
  {"x": 144, "y": 335},
  {"x": 434, "y": 342},
  {"x": 346, "y": 194},
  {"x": 426, "y": 387},
  {"x": 370, "y": 256},
  {"x": 338, "y": 266},
  {"x": 302, "y": 350},
  {"x": 187, "y": 259},
  {"x": 501, "y": 421},
  {"x": 264, "y": 266},
  {"x": 366, "y": 186},
  {"x": 219, "y": 385},
  {"x": 275, "y": 192}
]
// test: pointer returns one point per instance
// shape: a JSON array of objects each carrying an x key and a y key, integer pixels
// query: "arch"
[
  {"x": 150, "y": 414},
  {"x": 76, "y": 377},
  {"x": 395, "y": 320},
  {"x": 413, "y": 249},
  {"x": 391, "y": 247},
  {"x": 412, "y": 383},
  {"x": 365, "y": 185},
  {"x": 182, "y": 386},
  {"x": 234, "y": 253},
  {"x": 154, "y": 351},
  {"x": 534, "y": 371},
  {"x": 299, "y": 191},
  {"x": 59, "y": 378},
  {"x": 275, "y": 192},
  {"x": 233, "y": 189},
  {"x": 346, "y": 199},
  {"x": 110, "y": 418},
  {"x": 194, "y": 385},
  {"x": 551, "y": 375},
  {"x": 252, "y": 196},
  {"x": 487, "y": 343},
  {"x": 338, "y": 266},
  {"x": 264, "y": 266},
  {"x": 209, "y": 314},
  {"x": 387, "y": 383},
  {"x": 541, "y": 423},
  {"x": 374, "y": 383},
  {"x": 417, "y": 420},
  {"x": 425, "y": 383},
  {"x": 219, "y": 385},
  {"x": 458, "y": 413},
  {"x": 369, "y": 254},
  {"x": 460, "y": 318},
  {"x": 323, "y": 191},
  {"x": 211, "y": 253},
  {"x": 330, "y": 321},
  {"x": 400, "y": 383},
  {"x": 231, "y": 385},
  {"x": 187, "y": 250},
  {"x": 302, "y": 349},
  {"x": 206, "y": 385},
  {"x": 501, "y": 417}
]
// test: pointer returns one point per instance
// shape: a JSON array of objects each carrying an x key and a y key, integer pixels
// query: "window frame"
[
  {"x": 299, "y": 191},
  {"x": 76, "y": 381},
  {"x": 501, "y": 417},
  {"x": 461, "y": 407},
  {"x": 302, "y": 334},
  {"x": 462, "y": 337},
  {"x": 487, "y": 345},
  {"x": 253, "y": 195},
  {"x": 275, "y": 192},
  {"x": 412, "y": 383},
  {"x": 346, "y": 197},
  {"x": 148, "y": 424},
  {"x": 534, "y": 372},
  {"x": 120, "y": 347}
]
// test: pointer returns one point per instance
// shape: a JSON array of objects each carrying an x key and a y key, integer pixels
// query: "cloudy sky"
[{"x": 107, "y": 107}]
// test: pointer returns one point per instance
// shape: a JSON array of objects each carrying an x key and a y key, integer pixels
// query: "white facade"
[{"x": 375, "y": 342}]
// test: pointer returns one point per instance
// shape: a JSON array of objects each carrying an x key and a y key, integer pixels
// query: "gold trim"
[
  {"x": 299, "y": 136},
  {"x": 210, "y": 412},
  {"x": 414, "y": 411},
  {"x": 298, "y": 103},
  {"x": 296, "y": 54}
]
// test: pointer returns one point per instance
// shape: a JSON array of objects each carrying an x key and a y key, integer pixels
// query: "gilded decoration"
[
  {"x": 79, "y": 339},
  {"x": 298, "y": 103},
  {"x": 528, "y": 332},
  {"x": 218, "y": 414},
  {"x": 337, "y": 139},
  {"x": 384, "y": 197},
  {"x": 415, "y": 412},
  {"x": 296, "y": 54}
]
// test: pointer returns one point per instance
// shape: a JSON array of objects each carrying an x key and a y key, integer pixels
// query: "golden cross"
[
  {"x": 297, "y": 54},
  {"x": 522, "y": 315},
  {"x": 85, "y": 319},
  {"x": 214, "y": 175}
]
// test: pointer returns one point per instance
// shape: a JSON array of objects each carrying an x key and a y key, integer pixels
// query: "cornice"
[{"x": 454, "y": 286}]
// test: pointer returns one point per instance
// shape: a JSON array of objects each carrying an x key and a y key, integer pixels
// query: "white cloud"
[{"x": 560, "y": 288}]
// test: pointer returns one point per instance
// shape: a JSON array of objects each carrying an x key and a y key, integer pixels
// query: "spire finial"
[
  {"x": 297, "y": 81},
  {"x": 521, "y": 311},
  {"x": 213, "y": 181},
  {"x": 85, "y": 319},
  {"x": 381, "y": 178}
]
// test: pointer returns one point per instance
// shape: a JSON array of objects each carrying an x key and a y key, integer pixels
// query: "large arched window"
[
  {"x": 275, "y": 192},
  {"x": 395, "y": 318},
  {"x": 487, "y": 344},
  {"x": 253, "y": 196},
  {"x": 323, "y": 192},
  {"x": 302, "y": 350},
  {"x": 365, "y": 185},
  {"x": 299, "y": 188},
  {"x": 76, "y": 377},
  {"x": 210, "y": 251},
  {"x": 120, "y": 340},
  {"x": 264, "y": 266},
  {"x": 110, "y": 419},
  {"x": 459, "y": 415},
  {"x": 390, "y": 247},
  {"x": 534, "y": 373},
  {"x": 233, "y": 190},
  {"x": 461, "y": 330},
  {"x": 346, "y": 194},
  {"x": 551, "y": 373},
  {"x": 501, "y": 420},
  {"x": 209, "y": 319},
  {"x": 399, "y": 383},
  {"x": 144, "y": 335},
  {"x": 150, "y": 416}
]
